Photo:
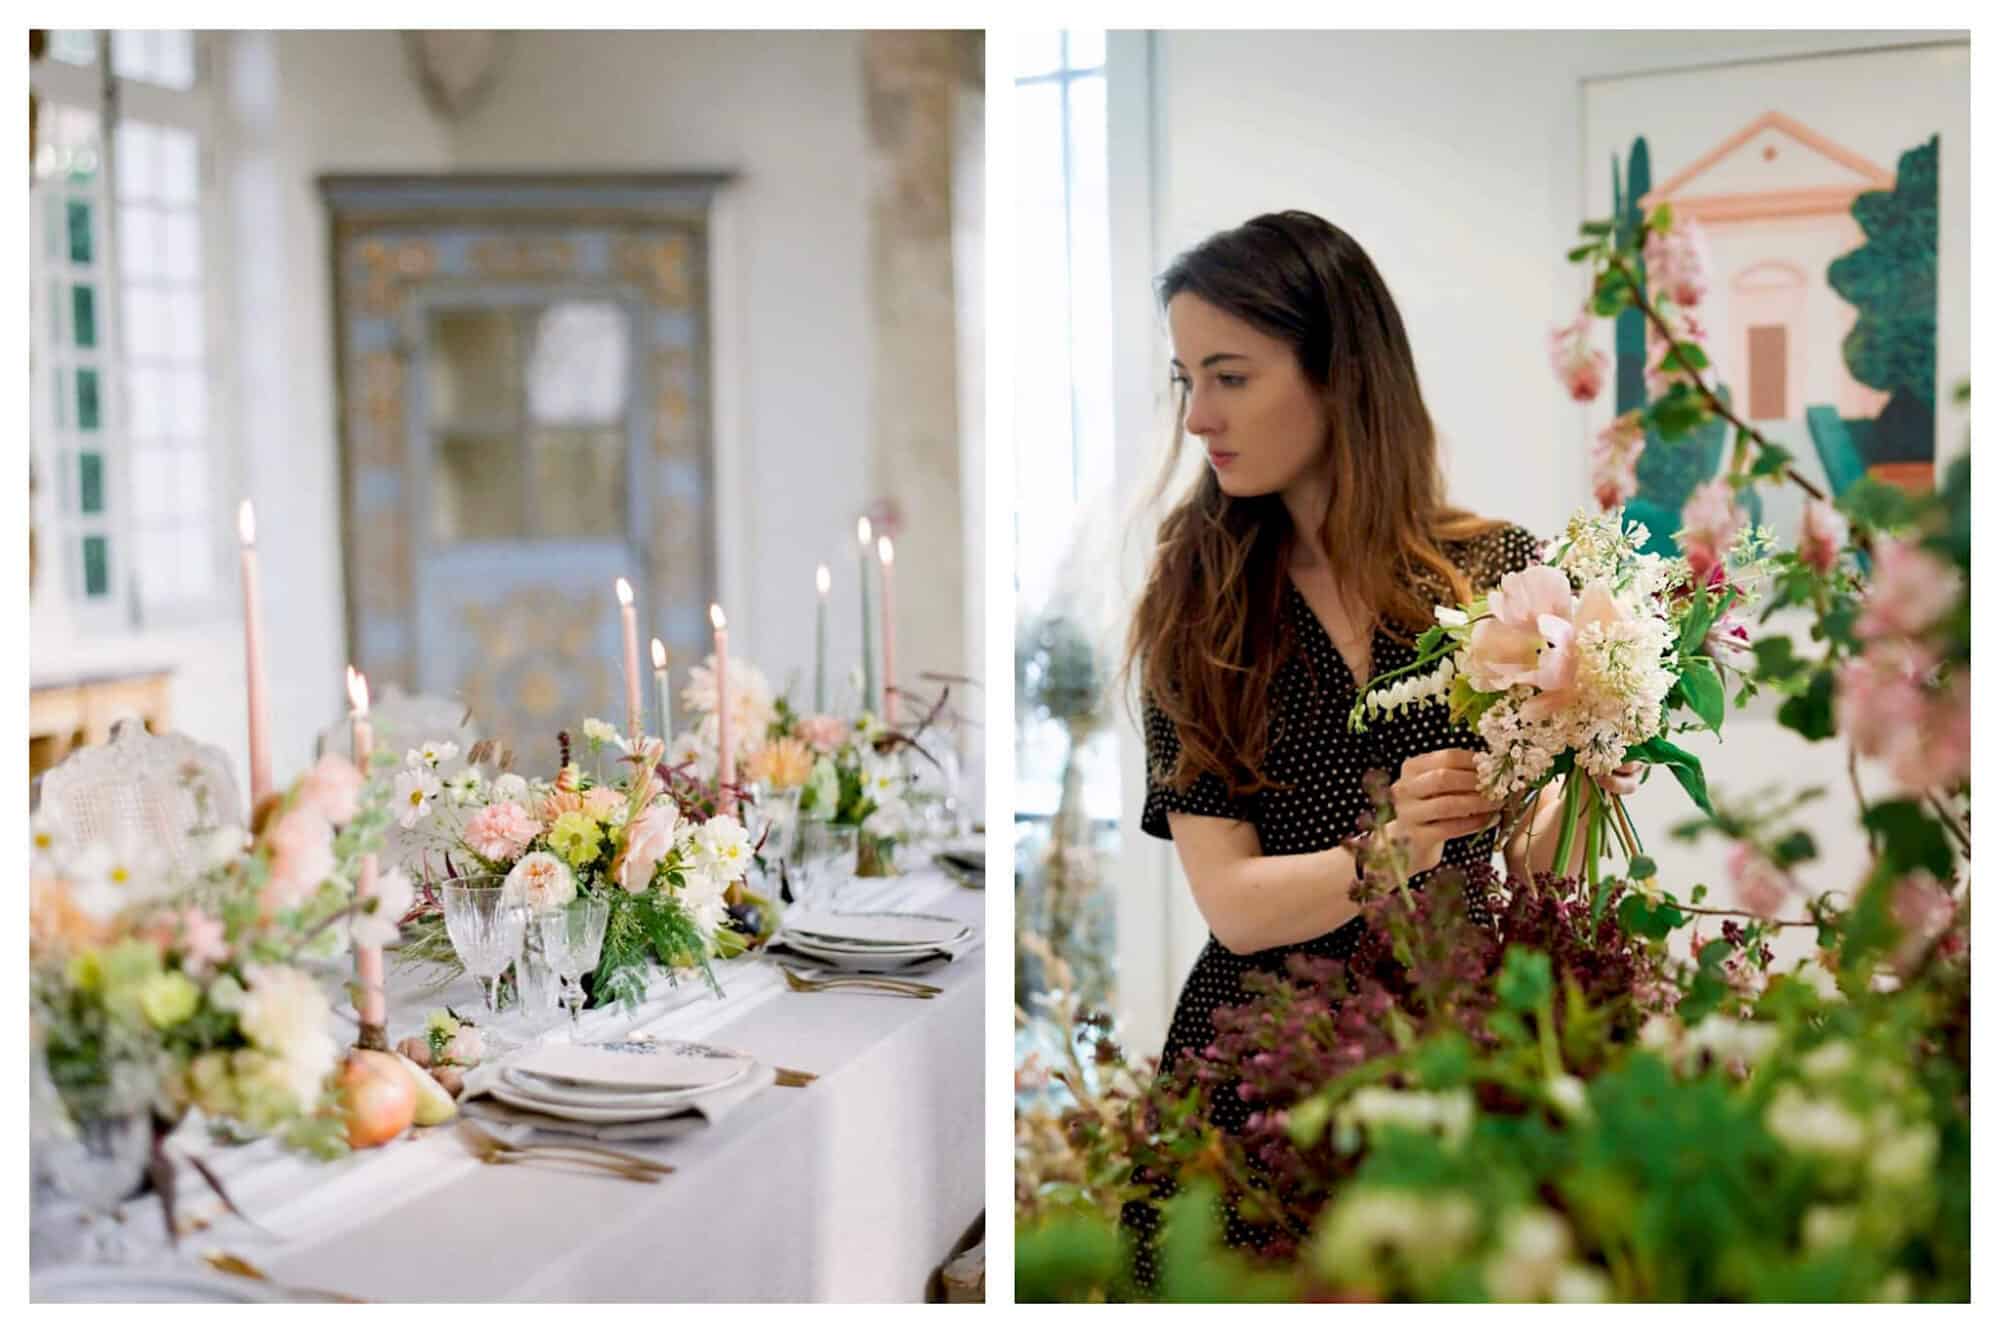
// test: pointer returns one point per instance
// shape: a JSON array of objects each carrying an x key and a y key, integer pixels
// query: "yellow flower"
[
  {"x": 784, "y": 763},
  {"x": 576, "y": 837},
  {"x": 85, "y": 971},
  {"x": 169, "y": 998}
]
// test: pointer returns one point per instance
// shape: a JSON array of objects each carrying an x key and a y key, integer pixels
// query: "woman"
[{"x": 1307, "y": 557}]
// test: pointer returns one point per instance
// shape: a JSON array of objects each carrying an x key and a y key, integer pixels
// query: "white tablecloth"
[{"x": 854, "y": 1188}]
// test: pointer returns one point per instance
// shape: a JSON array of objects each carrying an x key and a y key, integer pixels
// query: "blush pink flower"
[
  {"x": 333, "y": 787},
  {"x": 823, "y": 732},
  {"x": 601, "y": 803},
  {"x": 1822, "y": 534},
  {"x": 203, "y": 941},
  {"x": 1922, "y": 909},
  {"x": 1614, "y": 462},
  {"x": 1761, "y": 888},
  {"x": 1662, "y": 375},
  {"x": 1939, "y": 754},
  {"x": 1878, "y": 697},
  {"x": 1911, "y": 590},
  {"x": 1709, "y": 524},
  {"x": 649, "y": 841},
  {"x": 1506, "y": 647},
  {"x": 1677, "y": 263},
  {"x": 501, "y": 832},
  {"x": 301, "y": 847},
  {"x": 1577, "y": 364}
]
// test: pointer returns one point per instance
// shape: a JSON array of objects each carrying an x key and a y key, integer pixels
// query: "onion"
[{"x": 377, "y": 1098}]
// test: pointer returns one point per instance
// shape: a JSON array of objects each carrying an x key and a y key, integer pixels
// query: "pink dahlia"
[{"x": 501, "y": 832}]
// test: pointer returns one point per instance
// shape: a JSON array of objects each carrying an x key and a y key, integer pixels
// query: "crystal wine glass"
[
  {"x": 485, "y": 929},
  {"x": 573, "y": 940},
  {"x": 826, "y": 861},
  {"x": 94, "y": 1145}
]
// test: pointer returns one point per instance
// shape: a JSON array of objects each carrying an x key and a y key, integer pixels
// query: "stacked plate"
[
  {"x": 615, "y": 1083},
  {"x": 875, "y": 941}
]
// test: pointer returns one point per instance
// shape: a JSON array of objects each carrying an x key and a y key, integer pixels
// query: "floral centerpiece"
[
  {"x": 193, "y": 988},
  {"x": 618, "y": 825}
]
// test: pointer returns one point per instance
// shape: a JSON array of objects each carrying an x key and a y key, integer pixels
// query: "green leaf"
[
  {"x": 1662, "y": 218},
  {"x": 1525, "y": 980},
  {"x": 1595, "y": 228},
  {"x": 1776, "y": 662},
  {"x": 1772, "y": 460},
  {"x": 1811, "y": 713},
  {"x": 1793, "y": 848},
  {"x": 1684, "y": 766},
  {"x": 1911, "y": 838},
  {"x": 1691, "y": 356},
  {"x": 1643, "y": 867},
  {"x": 1704, "y": 692},
  {"x": 1873, "y": 503},
  {"x": 1655, "y": 921},
  {"x": 1701, "y": 614},
  {"x": 1583, "y": 251}
]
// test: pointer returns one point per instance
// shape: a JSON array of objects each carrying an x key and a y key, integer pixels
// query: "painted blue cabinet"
[{"x": 525, "y": 417}]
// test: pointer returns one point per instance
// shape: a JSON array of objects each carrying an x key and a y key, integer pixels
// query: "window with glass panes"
[{"x": 123, "y": 371}]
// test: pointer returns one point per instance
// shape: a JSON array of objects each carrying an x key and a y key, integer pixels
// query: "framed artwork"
[{"x": 1832, "y": 192}]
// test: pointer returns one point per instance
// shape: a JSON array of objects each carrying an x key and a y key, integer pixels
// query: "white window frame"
[{"x": 94, "y": 88}]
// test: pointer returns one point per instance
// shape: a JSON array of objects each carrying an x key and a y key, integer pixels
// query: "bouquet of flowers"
[
  {"x": 192, "y": 990},
  {"x": 649, "y": 839},
  {"x": 1578, "y": 665}
]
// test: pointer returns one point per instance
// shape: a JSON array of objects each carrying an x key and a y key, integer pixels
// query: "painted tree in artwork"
[{"x": 1892, "y": 281}]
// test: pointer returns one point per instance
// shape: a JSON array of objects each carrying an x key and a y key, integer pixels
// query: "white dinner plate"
[
  {"x": 591, "y": 1096},
  {"x": 81, "y": 1283},
  {"x": 632, "y": 1067},
  {"x": 502, "y": 1091},
  {"x": 866, "y": 958},
  {"x": 876, "y": 929}
]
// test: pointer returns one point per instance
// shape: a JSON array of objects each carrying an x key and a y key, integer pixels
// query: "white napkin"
[{"x": 518, "y": 1126}]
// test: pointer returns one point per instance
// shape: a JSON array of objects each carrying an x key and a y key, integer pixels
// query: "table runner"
[{"x": 851, "y": 1189}]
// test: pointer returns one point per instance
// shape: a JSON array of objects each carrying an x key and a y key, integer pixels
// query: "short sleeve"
[{"x": 1206, "y": 795}]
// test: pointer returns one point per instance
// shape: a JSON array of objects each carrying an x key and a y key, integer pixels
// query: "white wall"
[
  {"x": 783, "y": 110},
  {"x": 1455, "y": 159}
]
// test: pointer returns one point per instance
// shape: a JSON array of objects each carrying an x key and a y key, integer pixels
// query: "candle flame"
[
  {"x": 624, "y": 593},
  {"x": 659, "y": 656},
  {"x": 824, "y": 580},
  {"x": 357, "y": 692},
  {"x": 887, "y": 550},
  {"x": 716, "y": 618},
  {"x": 864, "y": 530},
  {"x": 246, "y": 523}
]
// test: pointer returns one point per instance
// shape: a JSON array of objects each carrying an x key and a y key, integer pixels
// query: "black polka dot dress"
[{"x": 1316, "y": 765}]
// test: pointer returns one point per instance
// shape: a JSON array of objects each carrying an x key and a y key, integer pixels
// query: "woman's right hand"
[{"x": 1437, "y": 798}]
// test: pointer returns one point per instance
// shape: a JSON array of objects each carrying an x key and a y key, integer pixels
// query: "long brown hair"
[{"x": 1208, "y": 635}]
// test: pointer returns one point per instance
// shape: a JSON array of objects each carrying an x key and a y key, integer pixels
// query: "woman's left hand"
[{"x": 1622, "y": 780}]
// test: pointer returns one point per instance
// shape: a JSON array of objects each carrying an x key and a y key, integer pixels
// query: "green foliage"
[
  {"x": 1684, "y": 766},
  {"x": 1810, "y": 713}
]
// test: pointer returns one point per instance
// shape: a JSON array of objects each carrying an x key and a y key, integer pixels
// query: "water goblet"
[
  {"x": 94, "y": 1145},
  {"x": 826, "y": 860},
  {"x": 485, "y": 929},
  {"x": 573, "y": 939}
]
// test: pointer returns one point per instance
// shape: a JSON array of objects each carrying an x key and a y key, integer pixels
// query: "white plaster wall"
[{"x": 1455, "y": 159}]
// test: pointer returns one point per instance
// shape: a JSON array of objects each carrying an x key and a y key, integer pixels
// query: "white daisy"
[
  {"x": 416, "y": 788},
  {"x": 431, "y": 754}
]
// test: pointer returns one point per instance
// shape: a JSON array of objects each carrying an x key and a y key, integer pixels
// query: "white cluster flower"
[
  {"x": 599, "y": 732},
  {"x": 1534, "y": 1251},
  {"x": 1816, "y": 1125},
  {"x": 751, "y": 704},
  {"x": 510, "y": 787},
  {"x": 464, "y": 786},
  {"x": 1597, "y": 545},
  {"x": 1447, "y": 1114},
  {"x": 1730, "y": 1040},
  {"x": 721, "y": 847},
  {"x": 1426, "y": 1232}
]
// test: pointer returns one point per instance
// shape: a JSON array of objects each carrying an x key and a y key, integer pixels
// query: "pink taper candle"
[
  {"x": 253, "y": 661},
  {"x": 725, "y": 757},
  {"x": 886, "y": 549},
  {"x": 635, "y": 719},
  {"x": 371, "y": 1003}
]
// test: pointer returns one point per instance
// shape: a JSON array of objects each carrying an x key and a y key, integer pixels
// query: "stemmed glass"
[
  {"x": 94, "y": 1143},
  {"x": 826, "y": 861},
  {"x": 485, "y": 929},
  {"x": 572, "y": 940}
]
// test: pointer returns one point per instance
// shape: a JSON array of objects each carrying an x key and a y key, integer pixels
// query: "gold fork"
[
  {"x": 235, "y": 1265},
  {"x": 888, "y": 985},
  {"x": 498, "y": 1152}
]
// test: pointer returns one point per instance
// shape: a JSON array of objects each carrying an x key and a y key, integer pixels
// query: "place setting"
[{"x": 879, "y": 952}]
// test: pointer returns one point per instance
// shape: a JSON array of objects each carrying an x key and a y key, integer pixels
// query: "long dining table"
[{"x": 852, "y": 1188}]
